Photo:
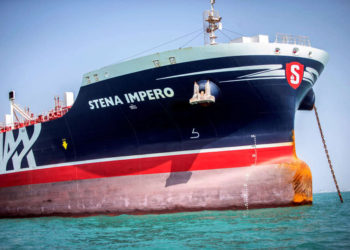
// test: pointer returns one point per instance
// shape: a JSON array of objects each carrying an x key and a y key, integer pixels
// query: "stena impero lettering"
[
  {"x": 197, "y": 128},
  {"x": 140, "y": 96}
]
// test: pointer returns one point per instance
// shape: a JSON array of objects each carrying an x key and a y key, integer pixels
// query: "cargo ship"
[{"x": 197, "y": 128}]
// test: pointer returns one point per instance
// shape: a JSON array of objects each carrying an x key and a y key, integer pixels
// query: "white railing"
[{"x": 292, "y": 39}]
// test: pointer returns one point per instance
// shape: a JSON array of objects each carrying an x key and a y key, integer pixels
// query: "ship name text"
[{"x": 139, "y": 96}]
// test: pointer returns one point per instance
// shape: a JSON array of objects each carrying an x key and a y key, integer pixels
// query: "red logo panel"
[{"x": 294, "y": 74}]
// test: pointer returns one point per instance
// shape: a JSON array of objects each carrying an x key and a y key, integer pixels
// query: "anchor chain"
[{"x": 327, "y": 154}]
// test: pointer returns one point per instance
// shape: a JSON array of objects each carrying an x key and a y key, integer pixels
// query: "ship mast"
[{"x": 213, "y": 20}]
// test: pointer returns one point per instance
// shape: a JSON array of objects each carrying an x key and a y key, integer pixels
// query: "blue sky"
[{"x": 46, "y": 46}]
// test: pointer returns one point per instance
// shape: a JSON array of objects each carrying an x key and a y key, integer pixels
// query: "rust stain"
[
  {"x": 294, "y": 150},
  {"x": 302, "y": 178},
  {"x": 301, "y": 181}
]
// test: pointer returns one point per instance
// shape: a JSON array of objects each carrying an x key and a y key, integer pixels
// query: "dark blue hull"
[
  {"x": 141, "y": 132},
  {"x": 264, "y": 108}
]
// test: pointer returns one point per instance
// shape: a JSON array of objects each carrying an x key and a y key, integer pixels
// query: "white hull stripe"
[
  {"x": 253, "y": 79},
  {"x": 232, "y": 69},
  {"x": 174, "y": 153},
  {"x": 267, "y": 72}
]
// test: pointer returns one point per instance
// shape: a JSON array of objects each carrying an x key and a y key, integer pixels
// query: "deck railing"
[
  {"x": 54, "y": 114},
  {"x": 292, "y": 39}
]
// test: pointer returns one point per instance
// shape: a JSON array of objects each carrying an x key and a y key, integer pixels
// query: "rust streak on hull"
[{"x": 266, "y": 185}]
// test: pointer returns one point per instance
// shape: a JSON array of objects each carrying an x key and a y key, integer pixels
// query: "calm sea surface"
[{"x": 325, "y": 224}]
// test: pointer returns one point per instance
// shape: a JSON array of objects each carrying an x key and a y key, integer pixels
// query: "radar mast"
[{"x": 212, "y": 22}]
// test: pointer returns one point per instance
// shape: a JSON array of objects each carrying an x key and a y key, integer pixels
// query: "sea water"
[{"x": 325, "y": 224}]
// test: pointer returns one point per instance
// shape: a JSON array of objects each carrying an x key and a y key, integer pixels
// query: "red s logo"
[{"x": 294, "y": 74}]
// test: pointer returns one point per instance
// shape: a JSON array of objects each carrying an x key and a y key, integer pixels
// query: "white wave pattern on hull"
[{"x": 267, "y": 72}]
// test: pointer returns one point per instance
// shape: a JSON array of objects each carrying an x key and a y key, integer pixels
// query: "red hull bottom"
[{"x": 286, "y": 183}]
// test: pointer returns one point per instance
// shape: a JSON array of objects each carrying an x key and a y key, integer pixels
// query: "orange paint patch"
[{"x": 302, "y": 181}]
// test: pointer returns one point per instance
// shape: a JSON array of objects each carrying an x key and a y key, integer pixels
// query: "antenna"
[
  {"x": 212, "y": 2},
  {"x": 211, "y": 22}
]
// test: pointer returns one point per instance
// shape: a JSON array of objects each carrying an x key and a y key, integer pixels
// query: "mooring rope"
[{"x": 327, "y": 154}]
